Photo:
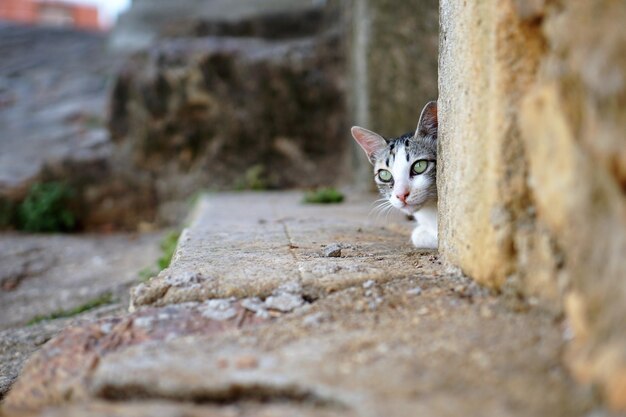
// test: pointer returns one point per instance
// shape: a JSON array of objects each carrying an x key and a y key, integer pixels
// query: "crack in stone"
[
  {"x": 292, "y": 247},
  {"x": 231, "y": 394}
]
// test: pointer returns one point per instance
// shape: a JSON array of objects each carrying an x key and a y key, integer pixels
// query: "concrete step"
[
  {"x": 249, "y": 245},
  {"x": 253, "y": 318}
]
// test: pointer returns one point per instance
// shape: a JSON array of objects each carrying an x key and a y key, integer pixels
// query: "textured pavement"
[{"x": 254, "y": 319}]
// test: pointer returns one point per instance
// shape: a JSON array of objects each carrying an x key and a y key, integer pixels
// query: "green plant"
[
  {"x": 326, "y": 195},
  {"x": 45, "y": 209},
  {"x": 253, "y": 179},
  {"x": 99, "y": 301},
  {"x": 168, "y": 247}
]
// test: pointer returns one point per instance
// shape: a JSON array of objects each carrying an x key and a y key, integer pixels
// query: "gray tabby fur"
[{"x": 414, "y": 194}]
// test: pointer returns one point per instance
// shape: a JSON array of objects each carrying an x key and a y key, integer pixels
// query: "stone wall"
[
  {"x": 150, "y": 20},
  {"x": 532, "y": 178},
  {"x": 232, "y": 94}
]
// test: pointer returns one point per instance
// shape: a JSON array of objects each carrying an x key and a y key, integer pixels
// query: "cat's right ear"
[
  {"x": 428, "y": 124},
  {"x": 371, "y": 142}
]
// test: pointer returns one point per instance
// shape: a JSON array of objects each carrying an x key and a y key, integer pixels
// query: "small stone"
[
  {"x": 257, "y": 306},
  {"x": 423, "y": 311},
  {"x": 284, "y": 302},
  {"x": 292, "y": 287},
  {"x": 373, "y": 305},
  {"x": 415, "y": 291},
  {"x": 485, "y": 312},
  {"x": 333, "y": 251},
  {"x": 253, "y": 304},
  {"x": 218, "y": 309},
  {"x": 315, "y": 319},
  {"x": 369, "y": 284}
]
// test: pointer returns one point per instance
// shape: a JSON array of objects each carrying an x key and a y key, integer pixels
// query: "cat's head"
[{"x": 405, "y": 167}]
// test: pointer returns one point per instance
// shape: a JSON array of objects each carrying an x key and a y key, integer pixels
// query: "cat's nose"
[{"x": 402, "y": 196}]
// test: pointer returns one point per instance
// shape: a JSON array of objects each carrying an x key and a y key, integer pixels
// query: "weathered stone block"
[
  {"x": 149, "y": 20},
  {"x": 532, "y": 163},
  {"x": 203, "y": 113},
  {"x": 488, "y": 58}
]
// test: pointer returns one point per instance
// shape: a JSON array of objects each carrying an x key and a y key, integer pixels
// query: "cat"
[{"x": 405, "y": 171}]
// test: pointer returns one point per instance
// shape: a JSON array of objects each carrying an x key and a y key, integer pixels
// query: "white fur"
[{"x": 424, "y": 235}]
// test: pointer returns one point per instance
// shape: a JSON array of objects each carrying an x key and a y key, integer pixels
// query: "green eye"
[
  {"x": 384, "y": 175},
  {"x": 419, "y": 167}
]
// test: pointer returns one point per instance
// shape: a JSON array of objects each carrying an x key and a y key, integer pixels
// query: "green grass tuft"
[
  {"x": 45, "y": 209},
  {"x": 104, "y": 299},
  {"x": 168, "y": 248},
  {"x": 253, "y": 179},
  {"x": 327, "y": 195}
]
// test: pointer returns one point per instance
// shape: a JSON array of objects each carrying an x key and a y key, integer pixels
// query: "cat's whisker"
[
  {"x": 383, "y": 207},
  {"x": 387, "y": 212},
  {"x": 375, "y": 202},
  {"x": 379, "y": 207}
]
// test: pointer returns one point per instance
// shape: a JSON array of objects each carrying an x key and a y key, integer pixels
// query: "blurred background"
[
  {"x": 115, "y": 115},
  {"x": 125, "y": 110}
]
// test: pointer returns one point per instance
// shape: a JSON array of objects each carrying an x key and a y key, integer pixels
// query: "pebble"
[
  {"x": 218, "y": 309},
  {"x": 369, "y": 284},
  {"x": 415, "y": 291},
  {"x": 284, "y": 302},
  {"x": 315, "y": 319},
  {"x": 332, "y": 251},
  {"x": 256, "y": 305},
  {"x": 485, "y": 312}
]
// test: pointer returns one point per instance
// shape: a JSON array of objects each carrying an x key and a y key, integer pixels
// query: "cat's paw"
[{"x": 423, "y": 238}]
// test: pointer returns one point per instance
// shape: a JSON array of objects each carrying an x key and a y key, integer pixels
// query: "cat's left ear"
[
  {"x": 372, "y": 143},
  {"x": 428, "y": 123}
]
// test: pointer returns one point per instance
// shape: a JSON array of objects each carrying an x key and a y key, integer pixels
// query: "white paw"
[{"x": 422, "y": 238}]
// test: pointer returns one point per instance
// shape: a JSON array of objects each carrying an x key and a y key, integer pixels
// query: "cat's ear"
[
  {"x": 371, "y": 142},
  {"x": 428, "y": 123}
]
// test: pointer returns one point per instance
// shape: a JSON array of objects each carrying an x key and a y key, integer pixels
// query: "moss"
[
  {"x": 45, "y": 209},
  {"x": 253, "y": 179},
  {"x": 168, "y": 248},
  {"x": 327, "y": 195},
  {"x": 104, "y": 299}
]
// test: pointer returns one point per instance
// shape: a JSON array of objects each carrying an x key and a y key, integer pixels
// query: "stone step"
[
  {"x": 254, "y": 317},
  {"x": 249, "y": 245}
]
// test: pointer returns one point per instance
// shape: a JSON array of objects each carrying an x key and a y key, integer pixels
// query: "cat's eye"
[
  {"x": 419, "y": 167},
  {"x": 384, "y": 175}
]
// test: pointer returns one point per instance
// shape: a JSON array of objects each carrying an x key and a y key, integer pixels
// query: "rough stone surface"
[
  {"x": 410, "y": 355},
  {"x": 358, "y": 342},
  {"x": 54, "y": 85},
  {"x": 532, "y": 163},
  {"x": 43, "y": 275},
  {"x": 204, "y": 113},
  {"x": 481, "y": 177},
  {"x": 16, "y": 345},
  {"x": 59, "y": 372},
  {"x": 147, "y": 21},
  {"x": 279, "y": 243}
]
